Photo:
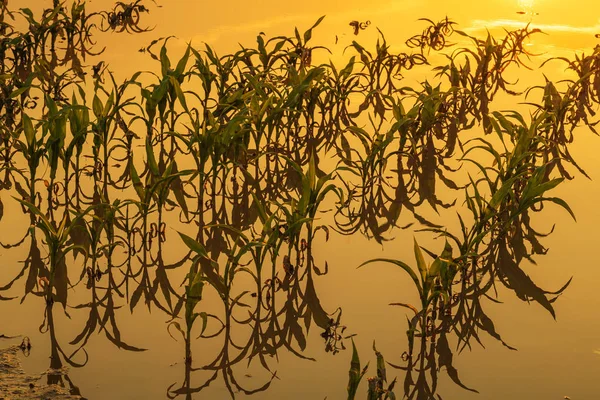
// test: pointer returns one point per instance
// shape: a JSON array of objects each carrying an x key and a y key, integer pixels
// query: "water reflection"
[
  {"x": 200, "y": 190},
  {"x": 57, "y": 374}
]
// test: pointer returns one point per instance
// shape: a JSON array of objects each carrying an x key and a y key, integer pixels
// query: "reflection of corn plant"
[
  {"x": 311, "y": 194},
  {"x": 302, "y": 212},
  {"x": 57, "y": 241},
  {"x": 263, "y": 115},
  {"x": 517, "y": 186},
  {"x": 79, "y": 120},
  {"x": 193, "y": 290},
  {"x": 430, "y": 282},
  {"x": 153, "y": 195},
  {"x": 55, "y": 124},
  {"x": 369, "y": 167},
  {"x": 434, "y": 285}
]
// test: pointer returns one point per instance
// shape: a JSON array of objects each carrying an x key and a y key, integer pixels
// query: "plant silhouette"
[{"x": 228, "y": 151}]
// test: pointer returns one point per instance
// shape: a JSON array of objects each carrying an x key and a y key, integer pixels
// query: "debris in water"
[{"x": 16, "y": 384}]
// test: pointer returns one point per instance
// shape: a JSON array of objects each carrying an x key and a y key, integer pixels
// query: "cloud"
[
  {"x": 480, "y": 25},
  {"x": 215, "y": 34},
  {"x": 303, "y": 21}
]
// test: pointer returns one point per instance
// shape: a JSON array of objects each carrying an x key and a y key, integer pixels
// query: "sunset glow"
[{"x": 318, "y": 199}]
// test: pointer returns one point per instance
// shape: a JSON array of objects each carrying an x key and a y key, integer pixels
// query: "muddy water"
[{"x": 554, "y": 358}]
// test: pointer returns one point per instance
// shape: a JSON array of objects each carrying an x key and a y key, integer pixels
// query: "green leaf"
[
  {"x": 308, "y": 33},
  {"x": 97, "y": 107},
  {"x": 501, "y": 193},
  {"x": 193, "y": 245},
  {"x": 195, "y": 289},
  {"x": 260, "y": 208},
  {"x": 182, "y": 63},
  {"x": 381, "y": 374},
  {"x": 165, "y": 64},
  {"x": 137, "y": 183},
  {"x": 52, "y": 108},
  {"x": 151, "y": 159},
  {"x": 204, "y": 317},
  {"x": 420, "y": 261},
  {"x": 542, "y": 188},
  {"x": 355, "y": 374},
  {"x": 27, "y": 12},
  {"x": 178, "y": 92},
  {"x": 19, "y": 91},
  {"x": 400, "y": 264},
  {"x": 441, "y": 263},
  {"x": 109, "y": 104},
  {"x": 28, "y": 129},
  {"x": 561, "y": 203},
  {"x": 312, "y": 171}
]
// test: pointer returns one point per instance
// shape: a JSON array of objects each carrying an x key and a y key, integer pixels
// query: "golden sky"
[{"x": 224, "y": 24}]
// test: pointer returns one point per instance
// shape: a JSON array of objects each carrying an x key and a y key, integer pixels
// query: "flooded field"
[{"x": 361, "y": 200}]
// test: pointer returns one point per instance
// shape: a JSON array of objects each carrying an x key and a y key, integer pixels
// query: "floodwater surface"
[{"x": 117, "y": 327}]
